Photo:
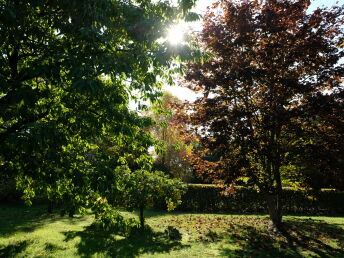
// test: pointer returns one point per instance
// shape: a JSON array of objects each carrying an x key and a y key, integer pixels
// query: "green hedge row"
[{"x": 208, "y": 198}]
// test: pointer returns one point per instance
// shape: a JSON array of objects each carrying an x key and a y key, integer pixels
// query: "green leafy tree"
[
  {"x": 67, "y": 72},
  {"x": 144, "y": 188},
  {"x": 134, "y": 185},
  {"x": 273, "y": 74}
]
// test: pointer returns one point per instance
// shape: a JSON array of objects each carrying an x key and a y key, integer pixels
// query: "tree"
[
  {"x": 273, "y": 72},
  {"x": 144, "y": 188},
  {"x": 127, "y": 179},
  {"x": 67, "y": 72},
  {"x": 171, "y": 150}
]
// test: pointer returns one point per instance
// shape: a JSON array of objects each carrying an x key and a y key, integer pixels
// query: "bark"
[
  {"x": 50, "y": 207},
  {"x": 142, "y": 218},
  {"x": 71, "y": 212},
  {"x": 275, "y": 209}
]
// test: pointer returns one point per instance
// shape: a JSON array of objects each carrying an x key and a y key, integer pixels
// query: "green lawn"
[{"x": 31, "y": 232}]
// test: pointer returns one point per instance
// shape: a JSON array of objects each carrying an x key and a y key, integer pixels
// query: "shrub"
[
  {"x": 173, "y": 233},
  {"x": 111, "y": 221},
  {"x": 208, "y": 198}
]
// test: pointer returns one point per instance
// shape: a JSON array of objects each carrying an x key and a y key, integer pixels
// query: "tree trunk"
[
  {"x": 142, "y": 218},
  {"x": 50, "y": 206},
  {"x": 275, "y": 209},
  {"x": 71, "y": 212}
]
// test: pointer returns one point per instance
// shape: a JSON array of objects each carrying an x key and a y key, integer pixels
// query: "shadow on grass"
[
  {"x": 13, "y": 249},
  {"x": 305, "y": 237},
  {"x": 93, "y": 241},
  {"x": 52, "y": 247},
  {"x": 21, "y": 218},
  {"x": 316, "y": 236}
]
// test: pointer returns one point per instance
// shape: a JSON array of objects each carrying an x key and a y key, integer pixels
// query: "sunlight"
[{"x": 175, "y": 34}]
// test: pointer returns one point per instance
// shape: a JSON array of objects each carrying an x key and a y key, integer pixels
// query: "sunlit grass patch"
[{"x": 32, "y": 232}]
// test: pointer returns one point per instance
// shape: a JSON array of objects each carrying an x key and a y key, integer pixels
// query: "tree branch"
[{"x": 21, "y": 125}]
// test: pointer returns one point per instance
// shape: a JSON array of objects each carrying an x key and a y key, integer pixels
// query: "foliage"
[
  {"x": 68, "y": 72},
  {"x": 171, "y": 150},
  {"x": 215, "y": 198},
  {"x": 272, "y": 93},
  {"x": 317, "y": 159},
  {"x": 144, "y": 188},
  {"x": 112, "y": 221}
]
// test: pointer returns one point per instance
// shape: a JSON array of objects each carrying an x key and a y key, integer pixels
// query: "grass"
[{"x": 31, "y": 232}]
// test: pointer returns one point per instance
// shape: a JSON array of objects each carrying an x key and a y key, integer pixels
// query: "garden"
[{"x": 163, "y": 128}]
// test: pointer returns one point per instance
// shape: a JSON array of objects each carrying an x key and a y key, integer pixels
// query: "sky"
[
  {"x": 201, "y": 7},
  {"x": 202, "y": 4}
]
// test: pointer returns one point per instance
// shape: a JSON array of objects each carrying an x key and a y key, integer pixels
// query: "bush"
[
  {"x": 208, "y": 198},
  {"x": 111, "y": 221},
  {"x": 173, "y": 233}
]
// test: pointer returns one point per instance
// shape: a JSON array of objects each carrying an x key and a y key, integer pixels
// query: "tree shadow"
[
  {"x": 255, "y": 243},
  {"x": 50, "y": 247},
  {"x": 14, "y": 249},
  {"x": 20, "y": 218},
  {"x": 319, "y": 237},
  {"x": 95, "y": 241},
  {"x": 299, "y": 238}
]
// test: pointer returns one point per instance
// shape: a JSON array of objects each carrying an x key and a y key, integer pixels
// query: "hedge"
[{"x": 208, "y": 198}]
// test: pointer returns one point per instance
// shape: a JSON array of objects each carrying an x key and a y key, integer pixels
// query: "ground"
[{"x": 31, "y": 232}]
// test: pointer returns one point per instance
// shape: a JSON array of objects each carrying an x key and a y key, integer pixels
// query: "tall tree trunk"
[
  {"x": 273, "y": 198},
  {"x": 275, "y": 209},
  {"x": 275, "y": 205},
  {"x": 142, "y": 218}
]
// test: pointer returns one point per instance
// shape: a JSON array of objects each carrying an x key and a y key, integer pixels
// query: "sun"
[{"x": 175, "y": 34}]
